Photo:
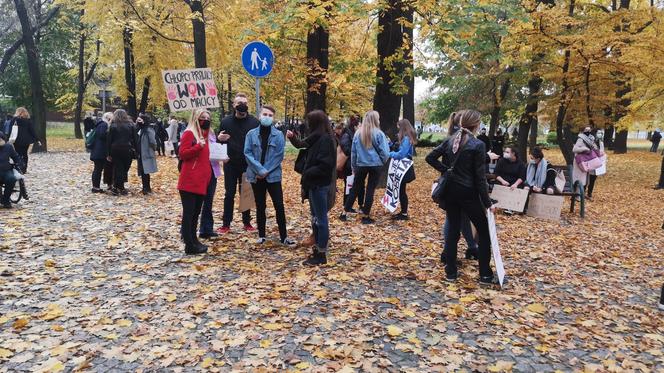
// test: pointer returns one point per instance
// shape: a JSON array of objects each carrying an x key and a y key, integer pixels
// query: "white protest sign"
[
  {"x": 509, "y": 199},
  {"x": 495, "y": 248},
  {"x": 349, "y": 184},
  {"x": 544, "y": 206},
  {"x": 395, "y": 175},
  {"x": 190, "y": 89}
]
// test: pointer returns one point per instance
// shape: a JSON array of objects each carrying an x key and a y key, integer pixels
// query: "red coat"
[{"x": 196, "y": 171}]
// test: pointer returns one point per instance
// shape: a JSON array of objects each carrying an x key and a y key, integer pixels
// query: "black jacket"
[
  {"x": 346, "y": 144},
  {"x": 121, "y": 135},
  {"x": 238, "y": 129},
  {"x": 99, "y": 149},
  {"x": 26, "y": 132},
  {"x": 321, "y": 161},
  {"x": 8, "y": 152},
  {"x": 510, "y": 171},
  {"x": 88, "y": 125},
  {"x": 469, "y": 170}
]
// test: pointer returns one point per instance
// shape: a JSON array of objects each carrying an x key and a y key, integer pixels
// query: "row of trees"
[{"x": 519, "y": 61}]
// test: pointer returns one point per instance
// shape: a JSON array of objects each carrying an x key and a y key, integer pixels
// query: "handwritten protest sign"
[
  {"x": 509, "y": 199},
  {"x": 190, "y": 89},
  {"x": 495, "y": 248},
  {"x": 395, "y": 175},
  {"x": 545, "y": 206}
]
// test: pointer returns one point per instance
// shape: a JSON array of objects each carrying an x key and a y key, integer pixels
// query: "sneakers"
[
  {"x": 224, "y": 230},
  {"x": 400, "y": 216},
  {"x": 195, "y": 249},
  {"x": 288, "y": 242},
  {"x": 97, "y": 190},
  {"x": 261, "y": 240},
  {"x": 489, "y": 281},
  {"x": 316, "y": 258},
  {"x": 343, "y": 217},
  {"x": 367, "y": 220},
  {"x": 115, "y": 192},
  {"x": 451, "y": 277},
  {"x": 249, "y": 228}
]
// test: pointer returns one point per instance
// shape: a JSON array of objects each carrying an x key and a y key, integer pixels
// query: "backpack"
[{"x": 90, "y": 138}]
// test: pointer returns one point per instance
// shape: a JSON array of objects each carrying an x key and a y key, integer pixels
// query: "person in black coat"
[
  {"x": 99, "y": 153},
  {"x": 346, "y": 144},
  {"x": 162, "y": 137},
  {"x": 498, "y": 142},
  {"x": 120, "y": 143},
  {"x": 660, "y": 185},
  {"x": 7, "y": 177},
  {"x": 318, "y": 174},
  {"x": 88, "y": 124},
  {"x": 26, "y": 136},
  {"x": 485, "y": 139}
]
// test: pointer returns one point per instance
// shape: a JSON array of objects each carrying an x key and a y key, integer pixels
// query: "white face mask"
[
  {"x": 2, "y": 142},
  {"x": 507, "y": 155}
]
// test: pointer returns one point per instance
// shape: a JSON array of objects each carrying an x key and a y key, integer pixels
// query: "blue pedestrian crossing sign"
[{"x": 257, "y": 59}]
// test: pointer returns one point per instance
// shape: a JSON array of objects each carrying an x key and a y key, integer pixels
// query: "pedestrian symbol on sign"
[{"x": 257, "y": 59}]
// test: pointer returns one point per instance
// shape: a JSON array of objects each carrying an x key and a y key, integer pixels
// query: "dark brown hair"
[
  {"x": 537, "y": 152},
  {"x": 270, "y": 108},
  {"x": 318, "y": 122}
]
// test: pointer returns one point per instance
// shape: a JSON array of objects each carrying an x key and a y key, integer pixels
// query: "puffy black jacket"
[
  {"x": 321, "y": 162},
  {"x": 469, "y": 170},
  {"x": 26, "y": 132},
  {"x": 7, "y": 152}
]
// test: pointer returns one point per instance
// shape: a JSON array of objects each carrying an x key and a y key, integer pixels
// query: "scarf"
[
  {"x": 536, "y": 173},
  {"x": 457, "y": 139},
  {"x": 589, "y": 141}
]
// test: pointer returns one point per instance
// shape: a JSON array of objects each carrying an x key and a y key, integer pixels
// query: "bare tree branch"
[{"x": 157, "y": 32}]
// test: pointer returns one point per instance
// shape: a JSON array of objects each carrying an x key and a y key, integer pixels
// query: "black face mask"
[
  {"x": 587, "y": 133},
  {"x": 204, "y": 123},
  {"x": 242, "y": 108}
]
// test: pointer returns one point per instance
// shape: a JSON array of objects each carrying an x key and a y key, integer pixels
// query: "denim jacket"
[
  {"x": 273, "y": 157},
  {"x": 405, "y": 150},
  {"x": 377, "y": 155}
]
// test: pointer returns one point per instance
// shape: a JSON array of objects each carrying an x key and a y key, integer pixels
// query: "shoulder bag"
[{"x": 439, "y": 188}]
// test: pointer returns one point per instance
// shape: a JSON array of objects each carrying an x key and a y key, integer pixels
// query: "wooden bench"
[{"x": 573, "y": 190}]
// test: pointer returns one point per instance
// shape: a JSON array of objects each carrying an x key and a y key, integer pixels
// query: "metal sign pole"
[{"x": 258, "y": 96}]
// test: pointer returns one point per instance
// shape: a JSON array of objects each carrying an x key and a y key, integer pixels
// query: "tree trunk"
[
  {"x": 145, "y": 95},
  {"x": 198, "y": 23},
  {"x": 32, "y": 57},
  {"x": 318, "y": 42},
  {"x": 389, "y": 40},
  {"x": 409, "y": 97},
  {"x": 563, "y": 131},
  {"x": 496, "y": 110},
  {"x": 80, "y": 81},
  {"x": 130, "y": 71},
  {"x": 230, "y": 94},
  {"x": 608, "y": 137},
  {"x": 528, "y": 121},
  {"x": 620, "y": 145}
]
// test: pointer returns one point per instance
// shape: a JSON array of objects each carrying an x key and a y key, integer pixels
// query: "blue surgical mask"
[{"x": 266, "y": 121}]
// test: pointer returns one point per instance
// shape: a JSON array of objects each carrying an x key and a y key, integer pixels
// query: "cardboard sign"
[
  {"x": 190, "y": 89},
  {"x": 349, "y": 184},
  {"x": 247, "y": 201},
  {"x": 395, "y": 174},
  {"x": 545, "y": 206},
  {"x": 495, "y": 248},
  {"x": 509, "y": 199}
]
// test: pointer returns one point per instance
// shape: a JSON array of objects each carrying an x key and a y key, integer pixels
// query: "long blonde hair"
[
  {"x": 371, "y": 121},
  {"x": 22, "y": 112},
  {"x": 193, "y": 125}
]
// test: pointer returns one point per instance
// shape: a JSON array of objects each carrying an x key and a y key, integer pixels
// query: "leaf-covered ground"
[{"x": 100, "y": 283}]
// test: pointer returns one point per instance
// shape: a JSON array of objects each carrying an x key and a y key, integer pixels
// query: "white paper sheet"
[{"x": 495, "y": 248}]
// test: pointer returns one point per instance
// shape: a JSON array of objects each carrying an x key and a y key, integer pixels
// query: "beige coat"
[{"x": 577, "y": 173}]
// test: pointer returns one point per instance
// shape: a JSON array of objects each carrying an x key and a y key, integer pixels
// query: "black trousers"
[
  {"x": 459, "y": 200},
  {"x": 233, "y": 181},
  {"x": 121, "y": 156},
  {"x": 591, "y": 184},
  {"x": 661, "y": 174},
  {"x": 261, "y": 188},
  {"x": 145, "y": 178},
  {"x": 161, "y": 147},
  {"x": 22, "y": 151},
  {"x": 373, "y": 173},
  {"x": 108, "y": 173},
  {"x": 96, "y": 172},
  {"x": 191, "y": 209},
  {"x": 360, "y": 194},
  {"x": 403, "y": 198}
]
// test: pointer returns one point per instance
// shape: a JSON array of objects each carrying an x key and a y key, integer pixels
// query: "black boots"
[
  {"x": 472, "y": 253},
  {"x": 316, "y": 258},
  {"x": 195, "y": 249}
]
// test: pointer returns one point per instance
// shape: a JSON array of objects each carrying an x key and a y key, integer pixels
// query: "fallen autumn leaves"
[{"x": 95, "y": 282}]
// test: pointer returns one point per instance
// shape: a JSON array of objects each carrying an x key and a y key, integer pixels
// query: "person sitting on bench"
[
  {"x": 540, "y": 177},
  {"x": 510, "y": 172}
]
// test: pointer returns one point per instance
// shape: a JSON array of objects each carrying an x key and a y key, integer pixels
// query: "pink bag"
[{"x": 589, "y": 161}]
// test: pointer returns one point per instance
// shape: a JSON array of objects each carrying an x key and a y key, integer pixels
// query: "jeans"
[
  {"x": 460, "y": 200},
  {"x": 7, "y": 178},
  {"x": 655, "y": 145},
  {"x": 96, "y": 173},
  {"x": 207, "y": 220},
  {"x": 233, "y": 179},
  {"x": 22, "y": 151},
  {"x": 362, "y": 172},
  {"x": 191, "y": 209},
  {"x": 319, "y": 219},
  {"x": 466, "y": 231},
  {"x": 261, "y": 188}
]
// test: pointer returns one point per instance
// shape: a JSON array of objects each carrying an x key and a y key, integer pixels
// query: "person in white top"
[{"x": 172, "y": 131}]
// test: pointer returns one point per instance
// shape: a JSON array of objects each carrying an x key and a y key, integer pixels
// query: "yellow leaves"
[
  {"x": 394, "y": 331},
  {"x": 5, "y": 353},
  {"x": 123, "y": 323},
  {"x": 501, "y": 366},
  {"x": 265, "y": 310},
  {"x": 456, "y": 310},
  {"x": 113, "y": 240},
  {"x": 143, "y": 316},
  {"x": 272, "y": 326},
  {"x": 265, "y": 343},
  {"x": 70, "y": 293},
  {"x": 241, "y": 301},
  {"x": 49, "y": 263},
  {"x": 57, "y": 328},
  {"x": 53, "y": 311},
  {"x": 199, "y": 307},
  {"x": 171, "y": 297},
  {"x": 207, "y": 362},
  {"x": 111, "y": 336},
  {"x": 302, "y": 365},
  {"x": 20, "y": 323},
  {"x": 52, "y": 365},
  {"x": 468, "y": 299},
  {"x": 536, "y": 308},
  {"x": 408, "y": 312}
]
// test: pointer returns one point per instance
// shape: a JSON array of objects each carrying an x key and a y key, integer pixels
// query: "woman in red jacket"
[{"x": 195, "y": 175}]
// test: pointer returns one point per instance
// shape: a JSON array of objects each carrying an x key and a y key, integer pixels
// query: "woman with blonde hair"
[
  {"x": 120, "y": 144},
  {"x": 26, "y": 135},
  {"x": 407, "y": 142},
  {"x": 195, "y": 174},
  {"x": 369, "y": 152},
  {"x": 466, "y": 191}
]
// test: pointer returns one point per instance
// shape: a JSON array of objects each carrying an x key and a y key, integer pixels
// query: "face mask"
[
  {"x": 532, "y": 161},
  {"x": 204, "y": 123},
  {"x": 242, "y": 108},
  {"x": 507, "y": 155},
  {"x": 587, "y": 133},
  {"x": 266, "y": 121}
]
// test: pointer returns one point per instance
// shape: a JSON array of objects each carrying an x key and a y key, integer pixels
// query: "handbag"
[
  {"x": 217, "y": 152},
  {"x": 602, "y": 170},
  {"x": 439, "y": 188},
  {"x": 301, "y": 161},
  {"x": 560, "y": 181},
  {"x": 14, "y": 134},
  {"x": 341, "y": 160},
  {"x": 168, "y": 146}
]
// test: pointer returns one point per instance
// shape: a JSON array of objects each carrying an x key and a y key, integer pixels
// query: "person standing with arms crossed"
[{"x": 233, "y": 132}]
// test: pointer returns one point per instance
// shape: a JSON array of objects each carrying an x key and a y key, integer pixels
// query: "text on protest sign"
[
  {"x": 544, "y": 206},
  {"x": 190, "y": 89},
  {"x": 395, "y": 175},
  {"x": 509, "y": 199}
]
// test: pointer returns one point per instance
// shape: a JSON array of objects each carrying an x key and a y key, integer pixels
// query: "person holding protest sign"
[
  {"x": 407, "y": 142},
  {"x": 369, "y": 152},
  {"x": 466, "y": 190},
  {"x": 194, "y": 178},
  {"x": 206, "y": 228},
  {"x": 264, "y": 151},
  {"x": 233, "y": 131}
]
